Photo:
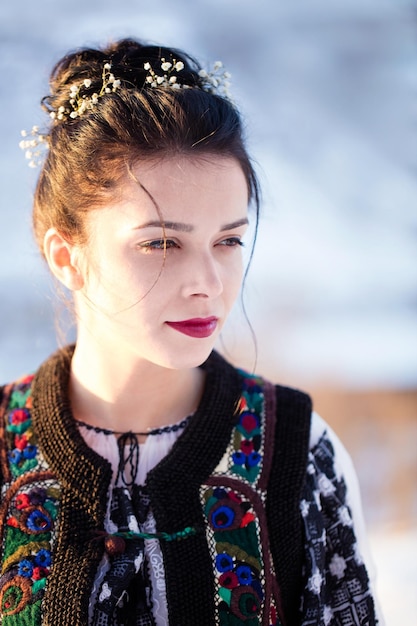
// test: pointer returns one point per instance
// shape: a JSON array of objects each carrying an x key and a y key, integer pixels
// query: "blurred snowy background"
[{"x": 328, "y": 89}]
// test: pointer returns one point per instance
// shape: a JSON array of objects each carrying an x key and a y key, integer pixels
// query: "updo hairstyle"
[{"x": 89, "y": 154}]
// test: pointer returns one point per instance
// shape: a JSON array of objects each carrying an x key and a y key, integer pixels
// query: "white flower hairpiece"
[
  {"x": 81, "y": 103},
  {"x": 217, "y": 81},
  {"x": 166, "y": 80},
  {"x": 35, "y": 142}
]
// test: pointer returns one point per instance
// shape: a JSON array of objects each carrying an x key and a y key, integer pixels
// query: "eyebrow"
[{"x": 188, "y": 228}]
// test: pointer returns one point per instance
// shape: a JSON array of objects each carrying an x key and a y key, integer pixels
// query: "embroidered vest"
[{"x": 233, "y": 506}]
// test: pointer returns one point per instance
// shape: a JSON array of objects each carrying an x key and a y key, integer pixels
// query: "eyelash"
[
  {"x": 158, "y": 244},
  {"x": 161, "y": 244},
  {"x": 232, "y": 241}
]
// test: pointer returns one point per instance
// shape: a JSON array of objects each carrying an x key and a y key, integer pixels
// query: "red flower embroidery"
[{"x": 22, "y": 501}]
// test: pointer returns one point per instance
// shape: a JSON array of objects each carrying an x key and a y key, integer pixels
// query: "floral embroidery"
[
  {"x": 22, "y": 456},
  {"x": 31, "y": 517},
  {"x": 233, "y": 527},
  {"x": 247, "y": 441},
  {"x": 238, "y": 562}
]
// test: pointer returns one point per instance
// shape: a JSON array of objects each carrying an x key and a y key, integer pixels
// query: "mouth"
[{"x": 197, "y": 327}]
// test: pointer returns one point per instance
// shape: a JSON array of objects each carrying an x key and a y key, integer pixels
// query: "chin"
[{"x": 187, "y": 358}]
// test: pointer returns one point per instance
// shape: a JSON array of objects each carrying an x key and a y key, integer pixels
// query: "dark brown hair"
[{"x": 88, "y": 155}]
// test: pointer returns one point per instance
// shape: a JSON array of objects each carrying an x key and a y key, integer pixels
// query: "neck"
[{"x": 130, "y": 396}]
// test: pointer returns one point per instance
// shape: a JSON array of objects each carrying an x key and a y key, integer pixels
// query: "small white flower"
[
  {"x": 179, "y": 65},
  {"x": 52, "y": 115},
  {"x": 311, "y": 469},
  {"x": 160, "y": 79},
  {"x": 327, "y": 615},
  {"x": 107, "y": 66},
  {"x": 107, "y": 90},
  {"x": 344, "y": 516},
  {"x": 87, "y": 82},
  {"x": 61, "y": 109},
  {"x": 111, "y": 78},
  {"x": 325, "y": 485},
  {"x": 203, "y": 74},
  {"x": 315, "y": 581},
  {"x": 217, "y": 66},
  {"x": 116, "y": 84},
  {"x": 172, "y": 80},
  {"x": 337, "y": 566},
  {"x": 28, "y": 154},
  {"x": 147, "y": 66},
  {"x": 132, "y": 524},
  {"x": 166, "y": 66},
  {"x": 24, "y": 133},
  {"x": 32, "y": 164},
  {"x": 74, "y": 91},
  {"x": 73, "y": 114},
  {"x": 304, "y": 508},
  {"x": 94, "y": 98},
  {"x": 177, "y": 86},
  {"x": 105, "y": 592}
]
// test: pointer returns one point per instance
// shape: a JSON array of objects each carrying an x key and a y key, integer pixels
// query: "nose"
[{"x": 203, "y": 277}]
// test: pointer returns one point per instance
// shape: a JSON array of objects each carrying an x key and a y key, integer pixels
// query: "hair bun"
[{"x": 128, "y": 58}]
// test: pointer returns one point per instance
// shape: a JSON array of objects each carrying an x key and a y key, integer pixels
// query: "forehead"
[{"x": 180, "y": 188}]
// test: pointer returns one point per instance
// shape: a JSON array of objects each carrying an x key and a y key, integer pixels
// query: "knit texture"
[{"x": 284, "y": 493}]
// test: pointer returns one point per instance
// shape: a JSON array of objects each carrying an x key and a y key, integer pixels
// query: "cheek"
[
  {"x": 128, "y": 277},
  {"x": 232, "y": 280}
]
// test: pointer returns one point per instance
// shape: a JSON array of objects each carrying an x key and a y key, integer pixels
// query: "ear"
[{"x": 62, "y": 258}]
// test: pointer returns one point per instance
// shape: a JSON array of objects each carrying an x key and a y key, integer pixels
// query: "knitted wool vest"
[{"x": 234, "y": 476}]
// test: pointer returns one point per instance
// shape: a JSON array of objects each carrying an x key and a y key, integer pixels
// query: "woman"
[{"x": 144, "y": 479}]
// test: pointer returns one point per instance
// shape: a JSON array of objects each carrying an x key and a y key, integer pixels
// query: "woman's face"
[{"x": 161, "y": 289}]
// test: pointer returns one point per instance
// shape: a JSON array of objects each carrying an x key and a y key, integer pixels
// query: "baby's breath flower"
[
  {"x": 107, "y": 66},
  {"x": 147, "y": 66},
  {"x": 87, "y": 82},
  {"x": 179, "y": 65},
  {"x": 31, "y": 145},
  {"x": 166, "y": 66}
]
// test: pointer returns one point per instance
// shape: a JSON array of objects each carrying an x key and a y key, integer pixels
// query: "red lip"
[{"x": 197, "y": 327}]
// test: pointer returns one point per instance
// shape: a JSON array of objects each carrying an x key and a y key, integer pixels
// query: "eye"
[
  {"x": 231, "y": 242},
  {"x": 158, "y": 244}
]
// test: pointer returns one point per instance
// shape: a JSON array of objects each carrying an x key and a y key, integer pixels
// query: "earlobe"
[{"x": 61, "y": 256}]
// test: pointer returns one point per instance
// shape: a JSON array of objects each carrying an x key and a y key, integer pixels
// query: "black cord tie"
[{"x": 128, "y": 458}]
